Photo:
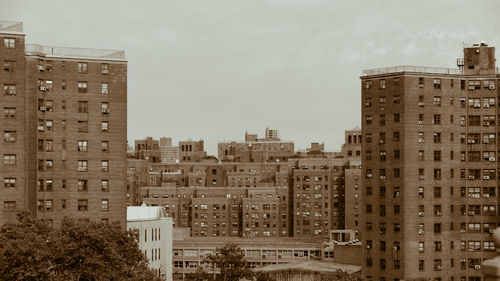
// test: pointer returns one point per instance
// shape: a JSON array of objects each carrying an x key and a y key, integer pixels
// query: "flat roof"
[
  {"x": 142, "y": 213},
  {"x": 412, "y": 68},
  {"x": 70, "y": 52},
  {"x": 312, "y": 266},
  {"x": 11, "y": 26}
]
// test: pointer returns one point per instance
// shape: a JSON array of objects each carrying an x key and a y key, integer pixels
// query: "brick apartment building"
[
  {"x": 430, "y": 169},
  {"x": 64, "y": 128}
]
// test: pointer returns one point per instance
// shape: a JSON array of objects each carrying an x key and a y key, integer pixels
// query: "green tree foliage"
[
  {"x": 32, "y": 250},
  {"x": 341, "y": 275},
  {"x": 230, "y": 265}
]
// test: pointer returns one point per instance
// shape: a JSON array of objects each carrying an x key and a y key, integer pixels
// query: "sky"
[{"x": 213, "y": 69}]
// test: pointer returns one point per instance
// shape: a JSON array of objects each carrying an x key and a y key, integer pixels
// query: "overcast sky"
[{"x": 213, "y": 69}]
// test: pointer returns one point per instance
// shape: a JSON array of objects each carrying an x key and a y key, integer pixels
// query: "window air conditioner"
[
  {"x": 420, "y": 85},
  {"x": 471, "y": 141},
  {"x": 41, "y": 128},
  {"x": 477, "y": 105},
  {"x": 105, "y": 111},
  {"x": 492, "y": 159},
  {"x": 471, "y": 88},
  {"x": 477, "y": 266},
  {"x": 369, "y": 176},
  {"x": 486, "y": 177},
  {"x": 368, "y": 246},
  {"x": 486, "y": 105},
  {"x": 420, "y": 214},
  {"x": 492, "y": 86},
  {"x": 42, "y": 88},
  {"x": 421, "y": 122},
  {"x": 40, "y": 68},
  {"x": 421, "y": 232},
  {"x": 486, "y": 123},
  {"x": 422, "y": 177},
  {"x": 420, "y": 140},
  {"x": 382, "y": 87},
  {"x": 382, "y": 177},
  {"x": 105, "y": 71},
  {"x": 81, "y": 169},
  {"x": 471, "y": 213},
  {"x": 421, "y": 104},
  {"x": 471, "y": 177}
]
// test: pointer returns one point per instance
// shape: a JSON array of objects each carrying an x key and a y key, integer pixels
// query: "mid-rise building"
[
  {"x": 168, "y": 152},
  {"x": 64, "y": 124},
  {"x": 147, "y": 149},
  {"x": 430, "y": 168},
  {"x": 192, "y": 151}
]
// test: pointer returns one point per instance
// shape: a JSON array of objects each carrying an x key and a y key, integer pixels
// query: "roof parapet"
[
  {"x": 69, "y": 52},
  {"x": 15, "y": 26}
]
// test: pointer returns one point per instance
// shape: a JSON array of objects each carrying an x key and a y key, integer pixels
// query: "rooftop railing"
[
  {"x": 412, "y": 68},
  {"x": 75, "y": 52}
]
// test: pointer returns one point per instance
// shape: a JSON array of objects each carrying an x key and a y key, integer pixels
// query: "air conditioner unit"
[
  {"x": 486, "y": 123},
  {"x": 477, "y": 266},
  {"x": 421, "y": 232},
  {"x": 420, "y": 85},
  {"x": 486, "y": 105},
  {"x": 477, "y": 105},
  {"x": 41, "y": 128},
  {"x": 40, "y": 68},
  {"x": 492, "y": 159},
  {"x": 486, "y": 195},
  {"x": 105, "y": 111},
  {"x": 471, "y": 177},
  {"x": 471, "y": 88},
  {"x": 381, "y": 142},
  {"x": 104, "y": 92},
  {"x": 471, "y": 141},
  {"x": 420, "y": 140},
  {"x": 491, "y": 230},
  {"x": 42, "y": 108},
  {"x": 366, "y": 104},
  {"x": 368, "y": 246},
  {"x": 422, "y": 177},
  {"x": 105, "y": 71},
  {"x": 486, "y": 177},
  {"x": 12, "y": 139},
  {"x": 42, "y": 88},
  {"x": 369, "y": 176},
  {"x": 382, "y": 87},
  {"x": 420, "y": 214},
  {"x": 421, "y": 122},
  {"x": 81, "y": 169},
  {"x": 471, "y": 213},
  {"x": 421, "y": 104},
  {"x": 492, "y": 86},
  {"x": 477, "y": 196},
  {"x": 382, "y": 177}
]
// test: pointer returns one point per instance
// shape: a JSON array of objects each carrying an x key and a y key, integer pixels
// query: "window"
[
  {"x": 437, "y": 83},
  {"x": 9, "y": 90},
  {"x": 421, "y": 265},
  {"x": 104, "y": 126},
  {"x": 396, "y": 136},
  {"x": 368, "y": 120},
  {"x": 9, "y": 182},
  {"x": 49, "y": 124},
  {"x": 421, "y": 119},
  {"x": 475, "y": 120},
  {"x": 369, "y": 138},
  {"x": 437, "y": 174},
  {"x": 49, "y": 205},
  {"x": 438, "y": 265},
  {"x": 397, "y": 117},
  {"x": 83, "y": 107},
  {"x": 9, "y": 42},
  {"x": 397, "y": 99},
  {"x": 9, "y": 206},
  {"x": 9, "y": 159},
  {"x": 105, "y": 108},
  {"x": 82, "y": 185},
  {"x": 397, "y": 154},
  {"x": 382, "y": 101},
  {"x": 381, "y": 84},
  {"x": 105, "y": 165},
  {"x": 105, "y": 146},
  {"x": 82, "y": 67},
  {"x": 83, "y": 126},
  {"x": 421, "y": 83},
  {"x": 421, "y": 192},
  {"x": 421, "y": 246},
  {"x": 105, "y": 205},
  {"x": 437, "y": 228},
  {"x": 105, "y": 68},
  {"x": 83, "y": 205},
  {"x": 382, "y": 120},
  {"x": 368, "y": 155},
  {"x": 437, "y": 100},
  {"x": 437, "y": 119},
  {"x": 105, "y": 185},
  {"x": 104, "y": 88},
  {"x": 82, "y": 87},
  {"x": 9, "y": 112},
  {"x": 368, "y": 102},
  {"x": 82, "y": 145},
  {"x": 381, "y": 138},
  {"x": 421, "y": 101},
  {"x": 437, "y": 155},
  {"x": 10, "y": 136},
  {"x": 82, "y": 166},
  {"x": 421, "y": 155},
  {"x": 8, "y": 65},
  {"x": 382, "y": 156}
]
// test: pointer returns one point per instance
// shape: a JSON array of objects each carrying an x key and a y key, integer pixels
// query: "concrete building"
[
  {"x": 168, "y": 152},
  {"x": 64, "y": 124},
  {"x": 255, "y": 150},
  {"x": 154, "y": 234},
  {"x": 430, "y": 164}
]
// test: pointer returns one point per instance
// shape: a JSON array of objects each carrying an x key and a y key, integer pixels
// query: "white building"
[
  {"x": 154, "y": 229},
  {"x": 168, "y": 152}
]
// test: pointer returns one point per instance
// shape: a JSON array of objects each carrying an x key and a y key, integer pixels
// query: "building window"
[
  {"x": 8, "y": 66},
  {"x": 49, "y": 205},
  {"x": 82, "y": 67},
  {"x": 82, "y": 166},
  {"x": 9, "y": 90},
  {"x": 104, "y": 185},
  {"x": 105, "y": 205},
  {"x": 104, "y": 126},
  {"x": 83, "y": 126},
  {"x": 9, "y": 159},
  {"x": 437, "y": 83},
  {"x": 10, "y": 136},
  {"x": 105, "y": 108},
  {"x": 82, "y": 145},
  {"x": 82, "y": 185},
  {"x": 104, "y": 88},
  {"x": 82, "y": 87},
  {"x": 9, "y": 182},
  {"x": 368, "y": 120},
  {"x": 9, "y": 112},
  {"x": 437, "y": 155},
  {"x": 437, "y": 100},
  {"x": 9, "y": 42},
  {"x": 83, "y": 107},
  {"x": 105, "y": 165},
  {"x": 382, "y": 120},
  {"x": 9, "y": 206},
  {"x": 438, "y": 265},
  {"x": 437, "y": 119},
  {"x": 397, "y": 117},
  {"x": 105, "y": 146},
  {"x": 83, "y": 205},
  {"x": 105, "y": 68}
]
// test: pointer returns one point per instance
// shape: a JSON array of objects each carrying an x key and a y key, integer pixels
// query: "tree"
[
  {"x": 32, "y": 250},
  {"x": 230, "y": 262}
]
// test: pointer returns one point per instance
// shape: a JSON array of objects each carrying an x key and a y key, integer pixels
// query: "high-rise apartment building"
[
  {"x": 64, "y": 130},
  {"x": 430, "y": 172}
]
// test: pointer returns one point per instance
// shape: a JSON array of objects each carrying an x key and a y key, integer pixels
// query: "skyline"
[{"x": 239, "y": 66}]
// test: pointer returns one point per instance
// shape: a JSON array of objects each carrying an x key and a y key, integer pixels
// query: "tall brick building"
[
  {"x": 430, "y": 169},
  {"x": 64, "y": 130}
]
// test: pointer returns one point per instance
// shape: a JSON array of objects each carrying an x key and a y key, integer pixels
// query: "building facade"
[
  {"x": 430, "y": 169},
  {"x": 64, "y": 125}
]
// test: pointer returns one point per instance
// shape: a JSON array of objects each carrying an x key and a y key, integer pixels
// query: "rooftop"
[
  {"x": 13, "y": 26},
  {"x": 412, "y": 68},
  {"x": 68, "y": 52},
  {"x": 140, "y": 213},
  {"x": 312, "y": 266}
]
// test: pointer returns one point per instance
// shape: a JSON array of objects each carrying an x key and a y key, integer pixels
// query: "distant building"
[
  {"x": 154, "y": 234},
  {"x": 147, "y": 149},
  {"x": 192, "y": 151},
  {"x": 255, "y": 150},
  {"x": 64, "y": 126},
  {"x": 168, "y": 152}
]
